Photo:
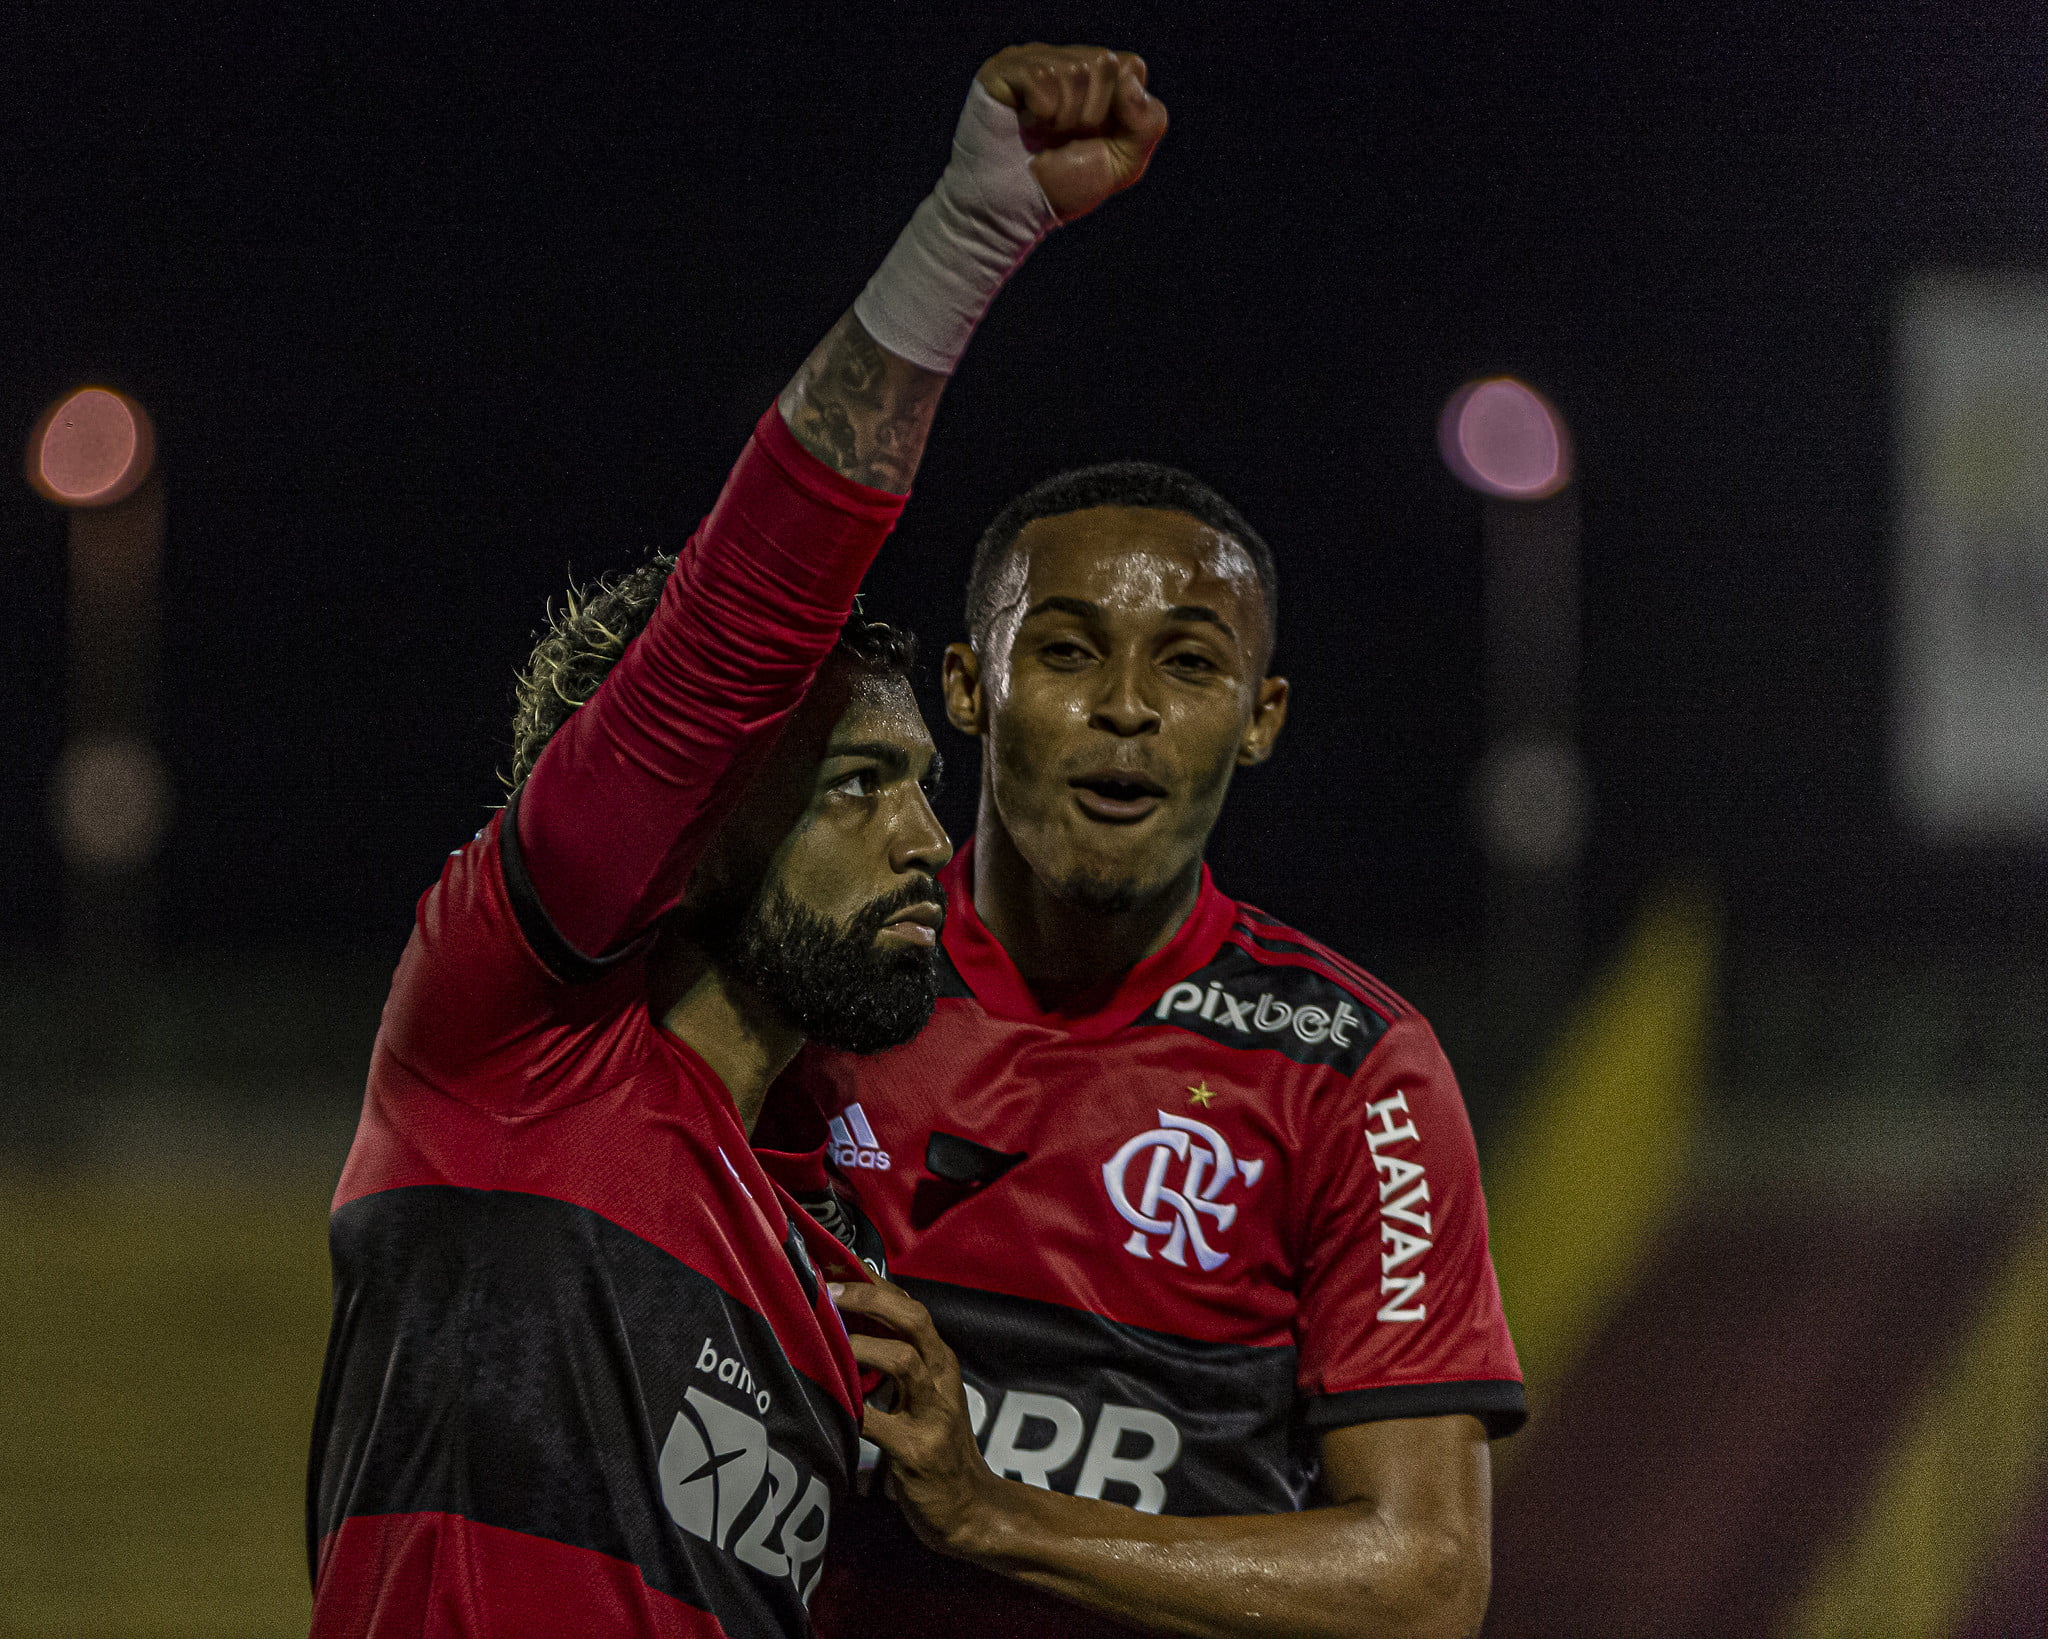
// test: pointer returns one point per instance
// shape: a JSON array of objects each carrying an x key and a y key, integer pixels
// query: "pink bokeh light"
[
  {"x": 1502, "y": 437},
  {"x": 90, "y": 449}
]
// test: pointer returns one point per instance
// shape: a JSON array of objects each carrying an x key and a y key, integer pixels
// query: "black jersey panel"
[
  {"x": 543, "y": 938},
  {"x": 528, "y": 1364},
  {"x": 1497, "y": 1402},
  {"x": 1241, "y": 1001},
  {"x": 1096, "y": 1408},
  {"x": 950, "y": 982}
]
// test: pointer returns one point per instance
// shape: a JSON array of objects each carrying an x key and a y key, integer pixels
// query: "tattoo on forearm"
[{"x": 862, "y": 411}]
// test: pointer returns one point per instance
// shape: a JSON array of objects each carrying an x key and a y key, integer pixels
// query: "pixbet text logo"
[
  {"x": 1160, "y": 1208},
  {"x": 854, "y": 1143},
  {"x": 1260, "y": 1014},
  {"x": 717, "y": 1465}
]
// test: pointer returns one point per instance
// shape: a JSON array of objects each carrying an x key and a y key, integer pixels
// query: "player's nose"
[
  {"x": 1122, "y": 707},
  {"x": 919, "y": 842}
]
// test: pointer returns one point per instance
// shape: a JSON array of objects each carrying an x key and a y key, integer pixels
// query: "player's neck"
[
  {"x": 1069, "y": 955},
  {"x": 732, "y": 1028}
]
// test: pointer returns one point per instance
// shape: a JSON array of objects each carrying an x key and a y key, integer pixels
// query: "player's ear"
[
  {"x": 960, "y": 676},
  {"x": 1269, "y": 717}
]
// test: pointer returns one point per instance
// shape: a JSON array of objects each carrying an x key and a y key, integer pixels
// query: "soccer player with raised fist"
[
  {"x": 1198, "y": 1332},
  {"x": 585, "y": 1375}
]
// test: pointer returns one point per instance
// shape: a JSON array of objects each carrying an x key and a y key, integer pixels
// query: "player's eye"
[
  {"x": 1064, "y": 651},
  {"x": 1192, "y": 661},
  {"x": 862, "y": 782}
]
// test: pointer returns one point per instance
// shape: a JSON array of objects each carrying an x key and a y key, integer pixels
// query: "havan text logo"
[
  {"x": 726, "y": 1485},
  {"x": 1404, "y": 1194},
  {"x": 1260, "y": 1014},
  {"x": 1177, "y": 1213}
]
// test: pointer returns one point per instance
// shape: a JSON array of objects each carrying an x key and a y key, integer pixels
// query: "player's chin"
[
  {"x": 1108, "y": 874},
  {"x": 893, "y": 1005},
  {"x": 1103, "y": 889}
]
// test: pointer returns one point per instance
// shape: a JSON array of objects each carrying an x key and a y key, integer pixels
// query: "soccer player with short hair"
[
  {"x": 1193, "y": 1197},
  {"x": 584, "y": 1377}
]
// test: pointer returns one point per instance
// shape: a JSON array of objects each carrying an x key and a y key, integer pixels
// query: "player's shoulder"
[{"x": 1274, "y": 988}]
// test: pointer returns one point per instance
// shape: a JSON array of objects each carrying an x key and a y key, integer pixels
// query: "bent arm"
[
  {"x": 860, "y": 409},
  {"x": 628, "y": 794},
  {"x": 1400, "y": 1552},
  {"x": 630, "y": 790}
]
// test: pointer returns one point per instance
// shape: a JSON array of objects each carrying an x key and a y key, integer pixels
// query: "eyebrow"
[
  {"x": 1200, "y": 611},
  {"x": 892, "y": 757},
  {"x": 885, "y": 752},
  {"x": 1081, "y": 609}
]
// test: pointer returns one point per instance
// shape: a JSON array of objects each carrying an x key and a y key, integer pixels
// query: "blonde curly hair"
[
  {"x": 598, "y": 622},
  {"x": 583, "y": 641}
]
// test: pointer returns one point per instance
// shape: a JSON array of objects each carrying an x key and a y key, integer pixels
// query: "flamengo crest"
[{"x": 1155, "y": 1205}]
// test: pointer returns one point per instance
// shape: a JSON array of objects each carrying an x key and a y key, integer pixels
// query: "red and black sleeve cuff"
[{"x": 1498, "y": 1402}]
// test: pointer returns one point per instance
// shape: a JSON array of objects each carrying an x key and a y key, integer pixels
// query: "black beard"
[{"x": 829, "y": 978}]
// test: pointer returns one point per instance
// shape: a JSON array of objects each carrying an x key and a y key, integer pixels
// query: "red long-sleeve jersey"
[
  {"x": 582, "y": 1376},
  {"x": 1173, "y": 1239}
]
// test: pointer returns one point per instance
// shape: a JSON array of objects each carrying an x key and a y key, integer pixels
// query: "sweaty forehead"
[
  {"x": 880, "y": 707},
  {"x": 1134, "y": 559}
]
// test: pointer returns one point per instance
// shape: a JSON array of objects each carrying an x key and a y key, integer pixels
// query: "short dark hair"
[
  {"x": 1114, "y": 483},
  {"x": 594, "y": 627}
]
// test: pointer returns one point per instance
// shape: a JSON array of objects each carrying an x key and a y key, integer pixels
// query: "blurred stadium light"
[
  {"x": 109, "y": 803},
  {"x": 1972, "y": 557},
  {"x": 93, "y": 452},
  {"x": 92, "y": 447},
  {"x": 1503, "y": 439}
]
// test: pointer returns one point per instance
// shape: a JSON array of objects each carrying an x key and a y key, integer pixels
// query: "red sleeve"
[
  {"x": 1400, "y": 1313},
  {"x": 629, "y": 791}
]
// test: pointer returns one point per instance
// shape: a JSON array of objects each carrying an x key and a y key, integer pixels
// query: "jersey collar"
[{"x": 979, "y": 958}]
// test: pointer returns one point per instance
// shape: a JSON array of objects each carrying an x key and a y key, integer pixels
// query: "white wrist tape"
[{"x": 970, "y": 234}]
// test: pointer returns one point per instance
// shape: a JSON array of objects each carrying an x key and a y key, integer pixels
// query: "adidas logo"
[{"x": 854, "y": 1143}]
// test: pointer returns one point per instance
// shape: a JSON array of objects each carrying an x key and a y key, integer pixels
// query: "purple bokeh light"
[{"x": 1502, "y": 437}]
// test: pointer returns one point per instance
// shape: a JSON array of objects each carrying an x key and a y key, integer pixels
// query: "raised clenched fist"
[{"x": 1086, "y": 116}]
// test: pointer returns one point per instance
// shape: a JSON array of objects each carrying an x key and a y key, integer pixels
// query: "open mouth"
[{"x": 1116, "y": 796}]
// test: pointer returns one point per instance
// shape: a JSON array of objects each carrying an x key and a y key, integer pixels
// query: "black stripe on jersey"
[
  {"x": 962, "y": 1161},
  {"x": 1498, "y": 1402},
  {"x": 1241, "y": 1001},
  {"x": 1276, "y": 937},
  {"x": 950, "y": 982},
  {"x": 1093, "y": 1406},
  {"x": 529, "y": 1364},
  {"x": 543, "y": 938}
]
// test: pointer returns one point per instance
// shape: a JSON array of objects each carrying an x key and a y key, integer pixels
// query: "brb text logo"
[
  {"x": 1175, "y": 1207},
  {"x": 726, "y": 1485},
  {"x": 1261, "y": 1014}
]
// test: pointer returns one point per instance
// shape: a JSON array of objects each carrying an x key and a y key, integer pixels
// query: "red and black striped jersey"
[
  {"x": 1173, "y": 1240},
  {"x": 583, "y": 1376}
]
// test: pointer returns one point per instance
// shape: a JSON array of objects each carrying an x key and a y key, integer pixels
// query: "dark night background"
[
  {"x": 431, "y": 313},
  {"x": 434, "y": 310}
]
